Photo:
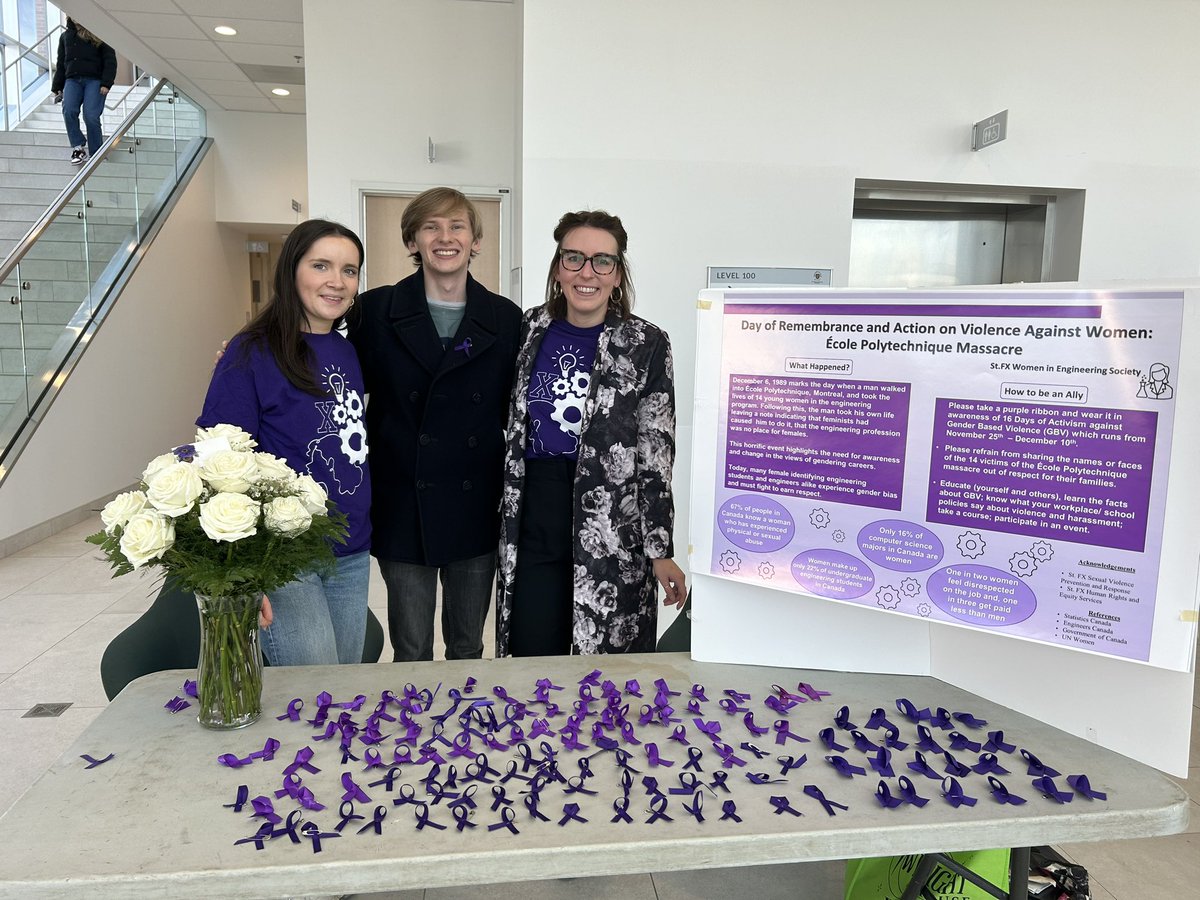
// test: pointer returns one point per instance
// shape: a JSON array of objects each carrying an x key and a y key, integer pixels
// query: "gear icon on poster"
[
  {"x": 910, "y": 587},
  {"x": 1022, "y": 564},
  {"x": 1042, "y": 551},
  {"x": 730, "y": 562},
  {"x": 766, "y": 571},
  {"x": 887, "y": 597},
  {"x": 839, "y": 536},
  {"x": 819, "y": 518},
  {"x": 971, "y": 544}
]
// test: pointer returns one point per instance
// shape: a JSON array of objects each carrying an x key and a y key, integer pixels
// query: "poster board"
[{"x": 884, "y": 478}]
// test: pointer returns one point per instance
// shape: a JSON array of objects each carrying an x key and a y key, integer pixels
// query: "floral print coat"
[{"x": 623, "y": 512}]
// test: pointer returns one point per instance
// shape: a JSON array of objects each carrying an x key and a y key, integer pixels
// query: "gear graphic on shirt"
[
  {"x": 561, "y": 405},
  {"x": 971, "y": 544},
  {"x": 356, "y": 451},
  {"x": 1022, "y": 564},
  {"x": 887, "y": 597},
  {"x": 561, "y": 386},
  {"x": 340, "y": 414},
  {"x": 353, "y": 404},
  {"x": 580, "y": 381}
]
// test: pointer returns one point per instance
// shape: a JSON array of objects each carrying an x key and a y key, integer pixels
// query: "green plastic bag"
[{"x": 886, "y": 877}]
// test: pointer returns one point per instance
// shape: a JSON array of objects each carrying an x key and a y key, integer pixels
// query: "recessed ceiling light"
[
  {"x": 226, "y": 30},
  {"x": 280, "y": 92}
]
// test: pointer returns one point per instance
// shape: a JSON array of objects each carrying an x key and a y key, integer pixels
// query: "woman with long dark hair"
[
  {"x": 83, "y": 74},
  {"x": 587, "y": 509},
  {"x": 294, "y": 384}
]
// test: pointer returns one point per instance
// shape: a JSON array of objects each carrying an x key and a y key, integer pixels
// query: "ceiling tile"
[
  {"x": 173, "y": 49},
  {"x": 246, "y": 104},
  {"x": 253, "y": 31},
  {"x": 273, "y": 10},
  {"x": 263, "y": 54},
  {"x": 156, "y": 25},
  {"x": 138, "y": 5},
  {"x": 226, "y": 71},
  {"x": 288, "y": 105},
  {"x": 213, "y": 87},
  {"x": 296, "y": 91}
]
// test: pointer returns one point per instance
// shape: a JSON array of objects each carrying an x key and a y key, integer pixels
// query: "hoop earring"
[
  {"x": 555, "y": 290},
  {"x": 614, "y": 299}
]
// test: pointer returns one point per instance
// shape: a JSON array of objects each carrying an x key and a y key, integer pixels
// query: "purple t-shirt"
[
  {"x": 558, "y": 388},
  {"x": 321, "y": 437}
]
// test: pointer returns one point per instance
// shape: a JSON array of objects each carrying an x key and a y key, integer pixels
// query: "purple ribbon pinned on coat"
[
  {"x": 1083, "y": 786},
  {"x": 464, "y": 347}
]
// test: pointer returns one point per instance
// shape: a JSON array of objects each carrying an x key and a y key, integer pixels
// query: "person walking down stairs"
[{"x": 85, "y": 71}]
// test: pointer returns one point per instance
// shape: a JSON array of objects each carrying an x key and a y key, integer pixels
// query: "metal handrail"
[
  {"x": 45, "y": 37},
  {"x": 68, "y": 192},
  {"x": 42, "y": 62}
]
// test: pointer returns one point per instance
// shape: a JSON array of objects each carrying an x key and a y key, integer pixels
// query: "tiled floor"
[{"x": 59, "y": 609}]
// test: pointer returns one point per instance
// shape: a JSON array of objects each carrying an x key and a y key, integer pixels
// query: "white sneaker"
[{"x": 79, "y": 156}]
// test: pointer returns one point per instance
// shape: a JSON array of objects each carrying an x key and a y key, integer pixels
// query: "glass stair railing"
[{"x": 59, "y": 282}]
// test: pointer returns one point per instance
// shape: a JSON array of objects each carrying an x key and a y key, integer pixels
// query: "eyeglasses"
[{"x": 574, "y": 261}]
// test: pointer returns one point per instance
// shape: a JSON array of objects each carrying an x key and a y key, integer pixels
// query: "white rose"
[
  {"x": 238, "y": 439},
  {"x": 147, "y": 536},
  {"x": 230, "y": 470},
  {"x": 272, "y": 468},
  {"x": 229, "y": 517},
  {"x": 174, "y": 489},
  {"x": 312, "y": 495},
  {"x": 157, "y": 465},
  {"x": 287, "y": 516},
  {"x": 121, "y": 508}
]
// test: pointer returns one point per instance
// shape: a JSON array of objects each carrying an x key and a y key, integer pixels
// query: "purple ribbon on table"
[
  {"x": 531, "y": 804},
  {"x": 513, "y": 773},
  {"x": 988, "y": 764},
  {"x": 654, "y": 758},
  {"x": 811, "y": 692},
  {"x": 969, "y": 720},
  {"x": 695, "y": 754},
  {"x": 92, "y": 762},
  {"x": 953, "y": 793},
  {"x": 650, "y": 783},
  {"x": 658, "y": 809},
  {"x": 881, "y": 762},
  {"x": 293, "y": 713},
  {"x": 763, "y": 778},
  {"x": 779, "y": 705},
  {"x": 927, "y": 741},
  {"x": 752, "y": 726},
  {"x": 376, "y": 821},
  {"x": 878, "y": 719},
  {"x": 959, "y": 741},
  {"x": 610, "y": 690},
  {"x": 661, "y": 684},
  {"x": 910, "y": 712},
  {"x": 719, "y": 781},
  {"x": 782, "y": 806},
  {"x": 633, "y": 688},
  {"x": 829, "y": 738},
  {"x": 462, "y": 817},
  {"x": 731, "y": 706},
  {"x": 346, "y": 811},
  {"x": 891, "y": 738},
  {"x": 696, "y": 807},
  {"x": 679, "y": 735},
  {"x": 176, "y": 704},
  {"x": 499, "y": 797},
  {"x": 627, "y": 734},
  {"x": 480, "y": 769},
  {"x": 693, "y": 708},
  {"x": 373, "y": 760},
  {"x": 883, "y": 794},
  {"x": 783, "y": 732},
  {"x": 922, "y": 767},
  {"x": 387, "y": 780},
  {"x": 623, "y": 757},
  {"x": 259, "y": 838},
  {"x": 842, "y": 719},
  {"x": 750, "y": 748},
  {"x": 262, "y": 807},
  {"x": 429, "y": 754},
  {"x": 621, "y": 807},
  {"x": 688, "y": 784},
  {"x": 844, "y": 767},
  {"x": 729, "y": 758},
  {"x": 787, "y": 696},
  {"x": 712, "y": 729},
  {"x": 421, "y": 814},
  {"x": 908, "y": 792},
  {"x": 604, "y": 743},
  {"x": 353, "y": 791},
  {"x": 790, "y": 762},
  {"x": 243, "y": 794},
  {"x": 402, "y": 755},
  {"x": 817, "y": 794},
  {"x": 996, "y": 742},
  {"x": 507, "y": 820},
  {"x": 231, "y": 760},
  {"x": 577, "y": 785},
  {"x": 941, "y": 719},
  {"x": 190, "y": 689},
  {"x": 467, "y": 798},
  {"x": 729, "y": 811},
  {"x": 1050, "y": 790},
  {"x": 1001, "y": 794},
  {"x": 954, "y": 767},
  {"x": 569, "y": 739},
  {"x": 697, "y": 693},
  {"x": 862, "y": 743},
  {"x": 1083, "y": 786},
  {"x": 1037, "y": 768},
  {"x": 408, "y": 794},
  {"x": 302, "y": 761},
  {"x": 591, "y": 679}
]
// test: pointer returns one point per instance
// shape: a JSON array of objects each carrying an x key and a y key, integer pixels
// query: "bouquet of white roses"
[
  {"x": 229, "y": 525},
  {"x": 221, "y": 518}
]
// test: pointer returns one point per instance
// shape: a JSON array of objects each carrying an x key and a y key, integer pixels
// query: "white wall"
[
  {"x": 261, "y": 165},
  {"x": 384, "y": 77},
  {"x": 139, "y": 386}
]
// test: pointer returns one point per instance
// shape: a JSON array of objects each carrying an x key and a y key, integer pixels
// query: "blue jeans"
[
  {"x": 85, "y": 93},
  {"x": 320, "y": 621},
  {"x": 467, "y": 588}
]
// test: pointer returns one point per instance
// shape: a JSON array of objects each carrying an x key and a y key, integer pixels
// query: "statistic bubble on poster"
[{"x": 993, "y": 460}]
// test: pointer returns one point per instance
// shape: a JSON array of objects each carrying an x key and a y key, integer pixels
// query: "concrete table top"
[{"x": 152, "y": 821}]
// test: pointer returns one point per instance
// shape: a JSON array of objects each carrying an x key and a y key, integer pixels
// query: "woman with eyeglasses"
[{"x": 587, "y": 509}]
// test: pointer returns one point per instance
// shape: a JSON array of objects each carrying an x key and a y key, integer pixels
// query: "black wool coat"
[
  {"x": 78, "y": 58},
  {"x": 435, "y": 420}
]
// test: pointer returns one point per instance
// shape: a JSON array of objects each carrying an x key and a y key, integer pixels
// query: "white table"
[{"x": 151, "y": 822}]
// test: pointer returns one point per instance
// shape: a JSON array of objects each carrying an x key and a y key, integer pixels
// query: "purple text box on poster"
[
  {"x": 1077, "y": 474},
  {"x": 832, "y": 573},
  {"x": 823, "y": 439},
  {"x": 900, "y": 546},
  {"x": 981, "y": 595},
  {"x": 756, "y": 523}
]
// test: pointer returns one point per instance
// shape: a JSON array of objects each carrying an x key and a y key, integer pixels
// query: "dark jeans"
[
  {"x": 467, "y": 589},
  {"x": 544, "y": 582},
  {"x": 83, "y": 93}
]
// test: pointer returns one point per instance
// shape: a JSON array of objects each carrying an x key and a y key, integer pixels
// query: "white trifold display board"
[{"x": 998, "y": 488}]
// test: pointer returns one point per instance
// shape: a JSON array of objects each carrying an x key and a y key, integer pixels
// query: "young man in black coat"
[{"x": 437, "y": 352}]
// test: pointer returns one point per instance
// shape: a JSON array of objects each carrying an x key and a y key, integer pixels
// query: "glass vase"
[{"x": 229, "y": 676}]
